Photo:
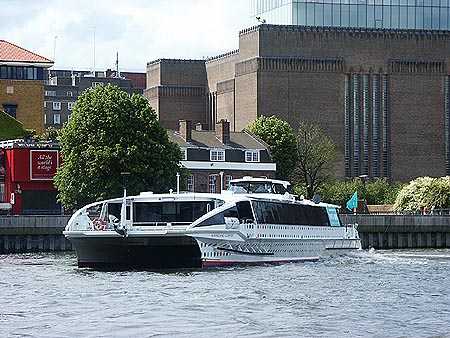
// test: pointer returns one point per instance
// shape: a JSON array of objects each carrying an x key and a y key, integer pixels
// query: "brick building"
[
  {"x": 382, "y": 95},
  {"x": 63, "y": 87},
  {"x": 21, "y": 84},
  {"x": 213, "y": 158}
]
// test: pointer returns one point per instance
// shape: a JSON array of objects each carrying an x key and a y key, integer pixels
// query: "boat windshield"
[{"x": 257, "y": 188}]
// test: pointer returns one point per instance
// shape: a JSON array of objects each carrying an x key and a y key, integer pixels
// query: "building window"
[
  {"x": 217, "y": 155},
  {"x": 53, "y": 81},
  {"x": 95, "y": 84},
  {"x": 69, "y": 117},
  {"x": 10, "y": 109},
  {"x": 70, "y": 105},
  {"x": 252, "y": 156},
  {"x": 50, "y": 93},
  {"x": 56, "y": 105},
  {"x": 212, "y": 183},
  {"x": 228, "y": 178},
  {"x": 9, "y": 90},
  {"x": 69, "y": 93},
  {"x": 184, "y": 154},
  {"x": 56, "y": 118},
  {"x": 190, "y": 183}
]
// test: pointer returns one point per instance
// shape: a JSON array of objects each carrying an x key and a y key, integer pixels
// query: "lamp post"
[
  {"x": 125, "y": 176},
  {"x": 221, "y": 180}
]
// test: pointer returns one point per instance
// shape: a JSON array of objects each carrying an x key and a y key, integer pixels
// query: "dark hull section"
[{"x": 137, "y": 252}]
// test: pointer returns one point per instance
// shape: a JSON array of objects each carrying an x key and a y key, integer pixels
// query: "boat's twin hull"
[
  {"x": 170, "y": 252},
  {"x": 137, "y": 252}
]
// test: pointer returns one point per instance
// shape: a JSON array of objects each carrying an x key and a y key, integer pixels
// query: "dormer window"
[
  {"x": 217, "y": 155},
  {"x": 252, "y": 156}
]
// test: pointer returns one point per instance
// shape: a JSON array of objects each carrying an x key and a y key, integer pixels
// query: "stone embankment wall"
[
  {"x": 33, "y": 234},
  {"x": 401, "y": 231}
]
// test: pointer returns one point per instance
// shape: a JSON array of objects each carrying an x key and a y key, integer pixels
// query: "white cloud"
[{"x": 139, "y": 30}]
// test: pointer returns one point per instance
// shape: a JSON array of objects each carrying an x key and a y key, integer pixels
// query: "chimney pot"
[{"x": 198, "y": 126}]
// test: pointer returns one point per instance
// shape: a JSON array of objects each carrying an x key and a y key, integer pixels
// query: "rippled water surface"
[{"x": 367, "y": 294}]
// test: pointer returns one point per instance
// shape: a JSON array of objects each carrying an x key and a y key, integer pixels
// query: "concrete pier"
[{"x": 402, "y": 231}]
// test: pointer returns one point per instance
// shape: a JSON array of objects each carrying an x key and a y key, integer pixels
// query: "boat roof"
[{"x": 259, "y": 179}]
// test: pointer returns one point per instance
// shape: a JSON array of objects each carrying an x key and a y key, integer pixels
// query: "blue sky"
[{"x": 139, "y": 30}]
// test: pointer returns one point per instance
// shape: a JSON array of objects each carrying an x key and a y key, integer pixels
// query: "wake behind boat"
[{"x": 255, "y": 221}]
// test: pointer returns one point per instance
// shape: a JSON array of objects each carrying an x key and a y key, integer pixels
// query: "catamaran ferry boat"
[{"x": 255, "y": 221}]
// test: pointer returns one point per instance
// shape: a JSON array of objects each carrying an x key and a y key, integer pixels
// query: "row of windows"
[
  {"x": 58, "y": 105},
  {"x": 154, "y": 212},
  {"x": 69, "y": 93},
  {"x": 272, "y": 213},
  {"x": 21, "y": 73},
  {"x": 218, "y": 155},
  {"x": 371, "y": 16},
  {"x": 56, "y": 118}
]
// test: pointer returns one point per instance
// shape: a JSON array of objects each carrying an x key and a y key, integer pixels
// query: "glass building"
[{"x": 386, "y": 14}]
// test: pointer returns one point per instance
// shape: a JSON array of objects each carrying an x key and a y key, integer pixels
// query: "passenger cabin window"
[
  {"x": 335, "y": 221},
  {"x": 169, "y": 212},
  {"x": 242, "y": 211},
  {"x": 289, "y": 214},
  {"x": 251, "y": 187}
]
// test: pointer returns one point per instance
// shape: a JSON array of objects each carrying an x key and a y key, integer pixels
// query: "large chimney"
[
  {"x": 223, "y": 131},
  {"x": 186, "y": 130}
]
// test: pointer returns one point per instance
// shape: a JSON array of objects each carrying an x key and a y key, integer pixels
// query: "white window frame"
[
  {"x": 50, "y": 93},
  {"x": 69, "y": 93},
  {"x": 228, "y": 179},
  {"x": 9, "y": 89},
  {"x": 95, "y": 84},
  {"x": 70, "y": 105},
  {"x": 57, "y": 118},
  {"x": 68, "y": 117},
  {"x": 212, "y": 184},
  {"x": 190, "y": 183},
  {"x": 56, "y": 105},
  {"x": 184, "y": 152},
  {"x": 217, "y": 155},
  {"x": 252, "y": 156}
]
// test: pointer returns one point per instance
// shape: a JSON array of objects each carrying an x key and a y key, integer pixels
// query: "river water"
[{"x": 366, "y": 294}]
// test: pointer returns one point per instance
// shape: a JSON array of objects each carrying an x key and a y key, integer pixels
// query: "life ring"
[{"x": 99, "y": 224}]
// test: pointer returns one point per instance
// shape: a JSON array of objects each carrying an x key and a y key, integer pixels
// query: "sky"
[{"x": 139, "y": 30}]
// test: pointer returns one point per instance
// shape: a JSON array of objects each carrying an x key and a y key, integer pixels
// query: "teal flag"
[{"x": 352, "y": 203}]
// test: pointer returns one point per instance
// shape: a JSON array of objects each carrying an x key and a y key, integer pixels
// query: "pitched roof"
[
  {"x": 10, "y": 52},
  {"x": 208, "y": 139}
]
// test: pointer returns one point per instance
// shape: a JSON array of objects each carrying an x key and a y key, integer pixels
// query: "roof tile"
[{"x": 13, "y": 53}]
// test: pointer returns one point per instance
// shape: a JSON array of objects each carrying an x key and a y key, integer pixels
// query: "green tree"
[
  {"x": 316, "y": 154},
  {"x": 377, "y": 191},
  {"x": 424, "y": 193},
  {"x": 49, "y": 134},
  {"x": 112, "y": 132},
  {"x": 280, "y": 138}
]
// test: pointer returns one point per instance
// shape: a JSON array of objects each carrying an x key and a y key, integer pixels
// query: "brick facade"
[
  {"x": 28, "y": 95},
  {"x": 383, "y": 96}
]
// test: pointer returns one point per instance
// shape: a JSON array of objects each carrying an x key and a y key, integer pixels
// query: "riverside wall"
[
  {"x": 33, "y": 234},
  {"x": 401, "y": 231},
  {"x": 44, "y": 233}
]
